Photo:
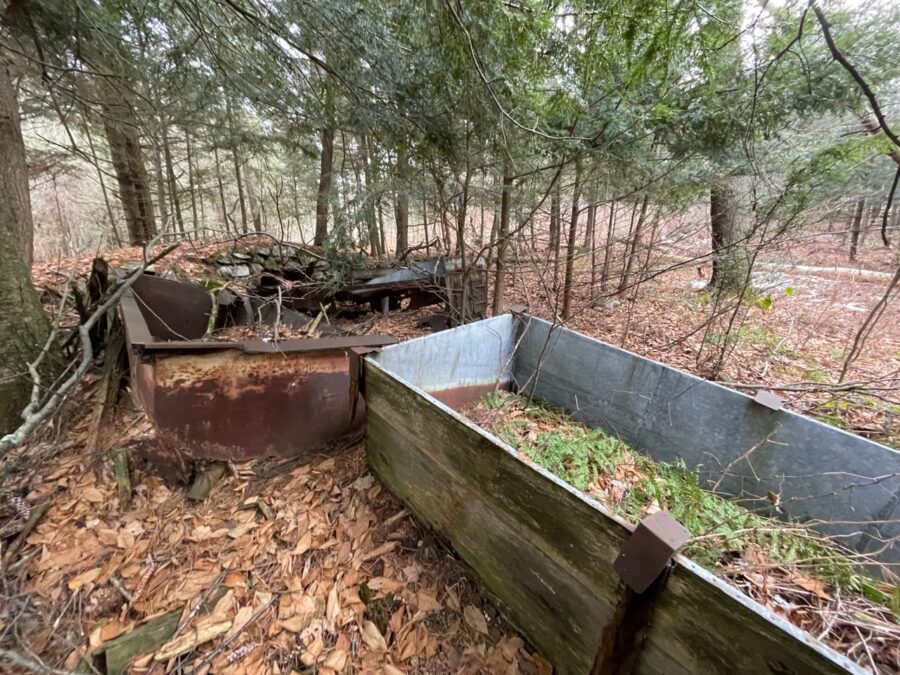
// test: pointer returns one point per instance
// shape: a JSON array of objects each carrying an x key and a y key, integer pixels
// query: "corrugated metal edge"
[{"x": 751, "y": 605}]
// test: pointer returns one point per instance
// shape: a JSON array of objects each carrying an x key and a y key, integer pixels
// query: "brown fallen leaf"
[
  {"x": 373, "y": 637},
  {"x": 475, "y": 619},
  {"x": 812, "y": 585},
  {"x": 84, "y": 578},
  {"x": 188, "y": 642},
  {"x": 337, "y": 660},
  {"x": 427, "y": 602}
]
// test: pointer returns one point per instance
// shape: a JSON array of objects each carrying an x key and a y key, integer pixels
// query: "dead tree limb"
[
  {"x": 887, "y": 209},
  {"x": 838, "y": 56},
  {"x": 36, "y": 514},
  {"x": 32, "y": 666},
  {"x": 868, "y": 325}
]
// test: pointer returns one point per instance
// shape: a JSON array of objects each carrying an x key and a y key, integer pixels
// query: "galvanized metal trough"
[
  {"x": 232, "y": 400},
  {"x": 545, "y": 552}
]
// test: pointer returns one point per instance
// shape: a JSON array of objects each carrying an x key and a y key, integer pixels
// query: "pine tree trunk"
[
  {"x": 855, "y": 228},
  {"x": 173, "y": 181},
  {"x": 425, "y": 222},
  {"x": 402, "y": 200},
  {"x": 103, "y": 190},
  {"x": 162, "y": 200},
  {"x": 570, "y": 244},
  {"x": 15, "y": 209},
  {"x": 323, "y": 196},
  {"x": 589, "y": 227},
  {"x": 632, "y": 245},
  {"x": 221, "y": 190},
  {"x": 252, "y": 200},
  {"x": 502, "y": 240},
  {"x": 461, "y": 214},
  {"x": 729, "y": 245},
  {"x": 23, "y": 325},
  {"x": 190, "y": 162},
  {"x": 128, "y": 161},
  {"x": 556, "y": 228},
  {"x": 608, "y": 247},
  {"x": 369, "y": 173}
]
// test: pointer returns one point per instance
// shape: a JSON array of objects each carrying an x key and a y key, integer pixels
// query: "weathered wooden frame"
[{"x": 542, "y": 549}]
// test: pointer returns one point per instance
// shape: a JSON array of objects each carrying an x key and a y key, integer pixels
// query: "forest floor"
[
  {"x": 792, "y": 336},
  {"x": 318, "y": 564}
]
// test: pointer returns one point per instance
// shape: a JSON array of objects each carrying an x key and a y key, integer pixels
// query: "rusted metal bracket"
[
  {"x": 643, "y": 564},
  {"x": 357, "y": 374}
]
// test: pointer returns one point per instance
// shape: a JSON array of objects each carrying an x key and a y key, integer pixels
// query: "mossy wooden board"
[{"x": 544, "y": 552}]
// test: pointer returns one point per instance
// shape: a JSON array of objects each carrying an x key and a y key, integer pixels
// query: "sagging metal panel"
[{"x": 233, "y": 400}]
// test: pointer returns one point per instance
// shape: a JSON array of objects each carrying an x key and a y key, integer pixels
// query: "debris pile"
[{"x": 304, "y": 279}]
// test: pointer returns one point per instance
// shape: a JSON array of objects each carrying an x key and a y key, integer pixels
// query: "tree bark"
[
  {"x": 23, "y": 325},
  {"x": 323, "y": 196},
  {"x": 253, "y": 200},
  {"x": 632, "y": 245},
  {"x": 401, "y": 206},
  {"x": 128, "y": 161},
  {"x": 589, "y": 227},
  {"x": 555, "y": 227},
  {"x": 239, "y": 181},
  {"x": 15, "y": 210},
  {"x": 729, "y": 245},
  {"x": 191, "y": 187},
  {"x": 461, "y": 214},
  {"x": 369, "y": 173},
  {"x": 173, "y": 181},
  {"x": 221, "y": 190},
  {"x": 502, "y": 240},
  {"x": 162, "y": 200},
  {"x": 855, "y": 228},
  {"x": 570, "y": 245},
  {"x": 100, "y": 178},
  {"x": 607, "y": 247}
]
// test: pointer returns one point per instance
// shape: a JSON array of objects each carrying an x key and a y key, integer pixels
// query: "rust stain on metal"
[
  {"x": 459, "y": 397},
  {"x": 235, "y": 400}
]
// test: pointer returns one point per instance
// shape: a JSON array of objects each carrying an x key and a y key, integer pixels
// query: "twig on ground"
[
  {"x": 36, "y": 514},
  {"x": 29, "y": 665}
]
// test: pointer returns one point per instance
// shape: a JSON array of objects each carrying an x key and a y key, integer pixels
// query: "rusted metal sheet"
[{"x": 234, "y": 400}]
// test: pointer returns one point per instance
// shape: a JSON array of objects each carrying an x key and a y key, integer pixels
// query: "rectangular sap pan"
[{"x": 542, "y": 549}]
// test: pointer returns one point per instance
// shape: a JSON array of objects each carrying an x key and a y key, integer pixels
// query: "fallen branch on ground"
[{"x": 36, "y": 514}]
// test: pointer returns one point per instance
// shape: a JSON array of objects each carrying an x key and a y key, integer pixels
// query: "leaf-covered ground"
[{"x": 316, "y": 569}]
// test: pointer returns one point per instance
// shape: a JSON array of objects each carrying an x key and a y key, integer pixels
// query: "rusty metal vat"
[{"x": 232, "y": 400}]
